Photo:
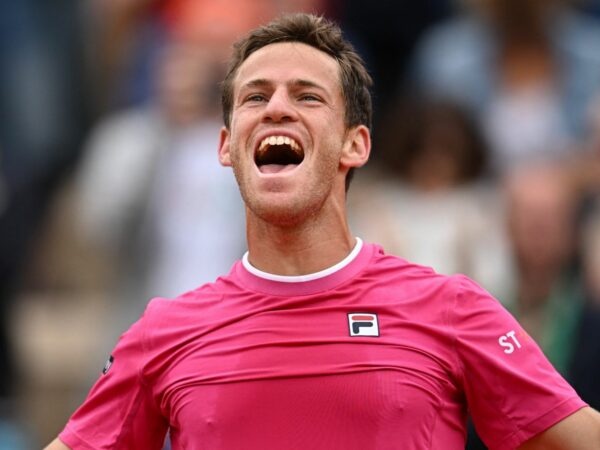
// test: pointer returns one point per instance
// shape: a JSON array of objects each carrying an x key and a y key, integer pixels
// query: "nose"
[{"x": 279, "y": 108}]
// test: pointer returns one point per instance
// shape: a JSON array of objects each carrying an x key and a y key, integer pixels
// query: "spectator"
[
  {"x": 42, "y": 119},
  {"x": 590, "y": 249},
  {"x": 585, "y": 368},
  {"x": 541, "y": 210},
  {"x": 528, "y": 70},
  {"x": 386, "y": 34},
  {"x": 160, "y": 203},
  {"x": 127, "y": 36},
  {"x": 437, "y": 210},
  {"x": 550, "y": 299}
]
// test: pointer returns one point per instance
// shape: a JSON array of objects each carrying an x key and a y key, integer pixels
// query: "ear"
[
  {"x": 224, "y": 155},
  {"x": 357, "y": 147}
]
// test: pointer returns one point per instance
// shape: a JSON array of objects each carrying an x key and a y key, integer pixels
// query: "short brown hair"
[{"x": 321, "y": 34}]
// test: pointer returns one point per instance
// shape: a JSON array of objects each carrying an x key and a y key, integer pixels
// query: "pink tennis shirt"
[{"x": 374, "y": 353}]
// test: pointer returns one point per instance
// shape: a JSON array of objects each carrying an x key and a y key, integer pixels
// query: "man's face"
[{"x": 287, "y": 137}]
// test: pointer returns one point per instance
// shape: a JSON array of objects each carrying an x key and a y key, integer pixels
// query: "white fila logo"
[{"x": 363, "y": 324}]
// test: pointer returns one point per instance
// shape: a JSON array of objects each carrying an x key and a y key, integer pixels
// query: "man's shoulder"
[
  {"x": 202, "y": 296},
  {"x": 385, "y": 262},
  {"x": 393, "y": 270}
]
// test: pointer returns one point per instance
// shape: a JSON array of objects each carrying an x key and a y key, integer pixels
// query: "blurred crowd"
[{"x": 486, "y": 161}]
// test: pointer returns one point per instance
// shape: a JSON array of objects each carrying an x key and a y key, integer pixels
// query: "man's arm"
[
  {"x": 56, "y": 444},
  {"x": 579, "y": 431}
]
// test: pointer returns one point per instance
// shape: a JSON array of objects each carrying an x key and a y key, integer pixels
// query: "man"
[{"x": 315, "y": 340}]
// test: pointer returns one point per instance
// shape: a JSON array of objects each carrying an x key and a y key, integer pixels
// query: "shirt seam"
[
  {"x": 502, "y": 393},
  {"x": 145, "y": 347},
  {"x": 451, "y": 320},
  {"x": 143, "y": 386}
]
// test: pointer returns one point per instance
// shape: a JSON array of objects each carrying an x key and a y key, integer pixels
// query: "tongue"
[{"x": 277, "y": 168}]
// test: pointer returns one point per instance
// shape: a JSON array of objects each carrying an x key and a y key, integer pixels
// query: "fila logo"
[{"x": 363, "y": 324}]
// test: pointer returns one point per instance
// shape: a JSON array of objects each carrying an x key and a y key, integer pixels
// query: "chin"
[{"x": 288, "y": 213}]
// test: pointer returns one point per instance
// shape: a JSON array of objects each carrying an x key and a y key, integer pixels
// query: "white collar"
[{"x": 301, "y": 278}]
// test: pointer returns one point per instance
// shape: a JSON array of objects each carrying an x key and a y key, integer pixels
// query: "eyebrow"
[{"x": 299, "y": 82}]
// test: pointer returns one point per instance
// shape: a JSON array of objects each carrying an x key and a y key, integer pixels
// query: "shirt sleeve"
[
  {"x": 513, "y": 392},
  {"x": 119, "y": 412}
]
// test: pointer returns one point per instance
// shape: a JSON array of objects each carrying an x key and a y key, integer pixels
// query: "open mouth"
[{"x": 277, "y": 154}]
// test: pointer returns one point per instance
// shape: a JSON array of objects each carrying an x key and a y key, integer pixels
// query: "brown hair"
[
  {"x": 321, "y": 34},
  {"x": 414, "y": 125}
]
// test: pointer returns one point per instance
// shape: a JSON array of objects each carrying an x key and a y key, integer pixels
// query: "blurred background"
[{"x": 486, "y": 161}]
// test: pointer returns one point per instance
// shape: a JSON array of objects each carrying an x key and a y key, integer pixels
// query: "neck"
[{"x": 310, "y": 246}]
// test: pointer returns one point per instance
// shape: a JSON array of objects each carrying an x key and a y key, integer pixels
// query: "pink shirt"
[{"x": 376, "y": 353}]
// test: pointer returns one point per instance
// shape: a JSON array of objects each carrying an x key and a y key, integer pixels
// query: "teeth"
[{"x": 279, "y": 140}]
